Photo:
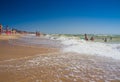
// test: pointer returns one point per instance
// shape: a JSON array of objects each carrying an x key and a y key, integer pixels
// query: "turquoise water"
[{"x": 97, "y": 38}]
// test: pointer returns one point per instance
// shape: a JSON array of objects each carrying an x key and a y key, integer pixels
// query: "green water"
[{"x": 97, "y": 38}]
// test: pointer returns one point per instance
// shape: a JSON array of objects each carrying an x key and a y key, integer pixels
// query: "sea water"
[{"x": 71, "y": 44}]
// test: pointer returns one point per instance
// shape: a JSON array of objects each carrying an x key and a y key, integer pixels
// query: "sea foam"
[
  {"x": 90, "y": 48},
  {"x": 72, "y": 44}
]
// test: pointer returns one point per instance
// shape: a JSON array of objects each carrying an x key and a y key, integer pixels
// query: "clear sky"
[{"x": 62, "y": 16}]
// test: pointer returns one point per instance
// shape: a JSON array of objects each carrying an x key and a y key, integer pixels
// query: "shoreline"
[
  {"x": 7, "y": 37},
  {"x": 11, "y": 51},
  {"x": 46, "y": 64}
]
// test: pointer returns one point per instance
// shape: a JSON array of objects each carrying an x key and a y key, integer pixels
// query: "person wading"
[
  {"x": 92, "y": 38},
  {"x": 86, "y": 38}
]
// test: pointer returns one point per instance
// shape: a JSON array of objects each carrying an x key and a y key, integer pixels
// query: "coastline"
[
  {"x": 7, "y": 37},
  {"x": 24, "y": 63},
  {"x": 10, "y": 51}
]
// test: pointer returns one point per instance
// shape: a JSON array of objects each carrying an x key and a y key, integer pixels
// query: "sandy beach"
[
  {"x": 32, "y": 64},
  {"x": 7, "y": 37},
  {"x": 9, "y": 51}
]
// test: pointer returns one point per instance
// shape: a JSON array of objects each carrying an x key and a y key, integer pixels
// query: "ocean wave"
[
  {"x": 77, "y": 45},
  {"x": 92, "y": 48}
]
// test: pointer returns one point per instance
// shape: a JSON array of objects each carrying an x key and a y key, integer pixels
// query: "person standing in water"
[
  {"x": 86, "y": 38},
  {"x": 37, "y": 33},
  {"x": 92, "y": 38},
  {"x": 105, "y": 40}
]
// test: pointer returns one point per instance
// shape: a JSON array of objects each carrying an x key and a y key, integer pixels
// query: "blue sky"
[{"x": 62, "y": 16}]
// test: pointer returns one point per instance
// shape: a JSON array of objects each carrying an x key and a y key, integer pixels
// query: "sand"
[
  {"x": 32, "y": 64},
  {"x": 7, "y": 37},
  {"x": 9, "y": 52}
]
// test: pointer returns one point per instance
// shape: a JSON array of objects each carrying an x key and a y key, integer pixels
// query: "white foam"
[
  {"x": 92, "y": 48},
  {"x": 72, "y": 44}
]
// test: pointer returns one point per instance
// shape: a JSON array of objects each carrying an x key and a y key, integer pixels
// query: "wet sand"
[
  {"x": 7, "y": 37},
  {"x": 9, "y": 52},
  {"x": 30, "y": 64}
]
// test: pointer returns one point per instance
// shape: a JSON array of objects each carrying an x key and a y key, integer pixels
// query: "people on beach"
[
  {"x": 13, "y": 31},
  {"x": 86, "y": 38},
  {"x": 8, "y": 32},
  {"x": 0, "y": 29},
  {"x": 37, "y": 33},
  {"x": 105, "y": 40}
]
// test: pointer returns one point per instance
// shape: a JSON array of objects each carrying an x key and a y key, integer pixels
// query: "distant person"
[
  {"x": 92, "y": 38},
  {"x": 110, "y": 38},
  {"x": 13, "y": 31},
  {"x": 105, "y": 40},
  {"x": 0, "y": 29},
  {"x": 37, "y": 33},
  {"x": 7, "y": 30},
  {"x": 86, "y": 38}
]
